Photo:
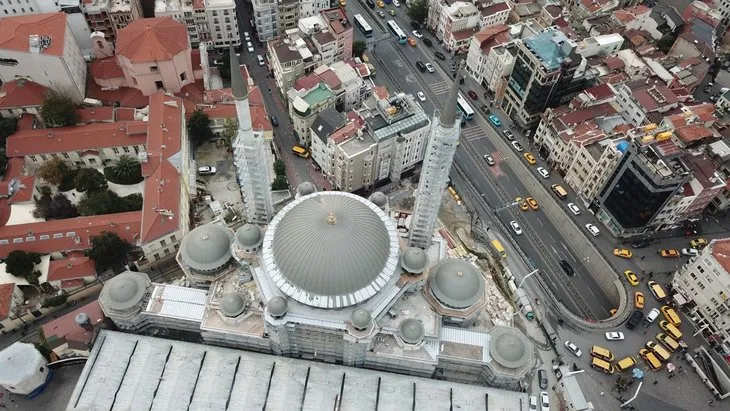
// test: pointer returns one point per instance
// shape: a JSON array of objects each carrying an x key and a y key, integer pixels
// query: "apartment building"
[
  {"x": 98, "y": 18},
  {"x": 639, "y": 101},
  {"x": 41, "y": 48},
  {"x": 124, "y": 12},
  {"x": 265, "y": 17},
  {"x": 223, "y": 23},
  {"x": 21, "y": 8},
  {"x": 454, "y": 23},
  {"x": 289, "y": 59},
  {"x": 604, "y": 45},
  {"x": 184, "y": 12},
  {"x": 493, "y": 14},
  {"x": 704, "y": 283},
  {"x": 308, "y": 8},
  {"x": 304, "y": 105},
  {"x": 581, "y": 9},
  {"x": 482, "y": 64},
  {"x": 288, "y": 14},
  {"x": 21, "y": 96},
  {"x": 354, "y": 88}
]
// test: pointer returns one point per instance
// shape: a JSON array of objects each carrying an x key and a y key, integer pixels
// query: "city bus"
[
  {"x": 398, "y": 32},
  {"x": 363, "y": 25},
  {"x": 464, "y": 108},
  {"x": 300, "y": 152},
  {"x": 499, "y": 249}
]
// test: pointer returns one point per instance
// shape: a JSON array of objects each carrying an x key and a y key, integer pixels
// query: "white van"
[
  {"x": 653, "y": 314},
  {"x": 260, "y": 59}
]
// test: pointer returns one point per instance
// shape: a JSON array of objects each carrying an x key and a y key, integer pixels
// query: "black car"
[
  {"x": 640, "y": 244},
  {"x": 415, "y": 25},
  {"x": 635, "y": 319},
  {"x": 421, "y": 66},
  {"x": 274, "y": 121},
  {"x": 439, "y": 55},
  {"x": 371, "y": 4},
  {"x": 567, "y": 268},
  {"x": 485, "y": 109},
  {"x": 427, "y": 42},
  {"x": 542, "y": 379}
]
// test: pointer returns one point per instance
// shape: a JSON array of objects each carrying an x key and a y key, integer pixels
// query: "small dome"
[
  {"x": 82, "y": 319},
  {"x": 249, "y": 236},
  {"x": 207, "y": 247},
  {"x": 124, "y": 291},
  {"x": 306, "y": 188},
  {"x": 509, "y": 347},
  {"x": 361, "y": 318},
  {"x": 456, "y": 283},
  {"x": 414, "y": 260},
  {"x": 379, "y": 199},
  {"x": 277, "y": 306},
  {"x": 411, "y": 331},
  {"x": 232, "y": 305}
]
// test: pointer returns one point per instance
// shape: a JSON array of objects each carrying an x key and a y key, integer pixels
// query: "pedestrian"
[
  {"x": 602, "y": 393},
  {"x": 645, "y": 332},
  {"x": 710, "y": 402},
  {"x": 656, "y": 382}
]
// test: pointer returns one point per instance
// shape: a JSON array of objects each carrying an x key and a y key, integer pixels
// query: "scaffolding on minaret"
[
  {"x": 440, "y": 150},
  {"x": 249, "y": 155}
]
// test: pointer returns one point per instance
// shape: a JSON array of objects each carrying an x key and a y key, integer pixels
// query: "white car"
[
  {"x": 543, "y": 172},
  {"x": 396, "y": 3},
  {"x": 246, "y": 36},
  {"x": 615, "y": 336},
  {"x": 421, "y": 96},
  {"x": 429, "y": 67},
  {"x": 206, "y": 170},
  {"x": 533, "y": 403},
  {"x": 690, "y": 252},
  {"x": 260, "y": 58},
  {"x": 592, "y": 229},
  {"x": 515, "y": 227},
  {"x": 573, "y": 208},
  {"x": 517, "y": 146},
  {"x": 573, "y": 349},
  {"x": 417, "y": 34},
  {"x": 544, "y": 401},
  {"x": 249, "y": 47}
]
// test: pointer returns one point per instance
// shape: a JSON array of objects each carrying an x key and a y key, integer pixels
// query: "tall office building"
[
  {"x": 445, "y": 131},
  {"x": 249, "y": 155}
]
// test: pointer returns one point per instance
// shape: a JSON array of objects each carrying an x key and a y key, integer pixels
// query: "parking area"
[{"x": 222, "y": 185}]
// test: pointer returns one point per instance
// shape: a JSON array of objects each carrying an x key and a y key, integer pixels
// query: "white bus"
[
  {"x": 399, "y": 34},
  {"x": 363, "y": 25},
  {"x": 464, "y": 108}
]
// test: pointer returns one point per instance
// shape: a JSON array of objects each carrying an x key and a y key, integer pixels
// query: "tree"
[
  {"x": 230, "y": 129},
  {"x": 419, "y": 10},
  {"x": 8, "y": 126},
  {"x": 89, "y": 179},
  {"x": 55, "y": 207},
  {"x": 280, "y": 183},
  {"x": 126, "y": 170},
  {"x": 108, "y": 202},
  {"x": 22, "y": 264},
  {"x": 108, "y": 250},
  {"x": 359, "y": 47},
  {"x": 3, "y": 163},
  {"x": 279, "y": 168},
  {"x": 53, "y": 171},
  {"x": 665, "y": 43},
  {"x": 58, "y": 110},
  {"x": 199, "y": 127}
]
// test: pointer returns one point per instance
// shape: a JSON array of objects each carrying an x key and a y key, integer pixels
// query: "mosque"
[{"x": 329, "y": 277}]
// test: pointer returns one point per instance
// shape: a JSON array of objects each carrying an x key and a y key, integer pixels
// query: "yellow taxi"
[
  {"x": 532, "y": 203},
  {"x": 412, "y": 41},
  {"x": 530, "y": 158},
  {"x": 380, "y": 3},
  {"x": 639, "y": 300},
  {"x": 669, "y": 253},
  {"x": 522, "y": 203},
  {"x": 698, "y": 243},
  {"x": 631, "y": 277},
  {"x": 622, "y": 252}
]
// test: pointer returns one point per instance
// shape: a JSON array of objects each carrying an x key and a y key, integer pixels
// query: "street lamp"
[
  {"x": 634, "y": 397},
  {"x": 526, "y": 277}
]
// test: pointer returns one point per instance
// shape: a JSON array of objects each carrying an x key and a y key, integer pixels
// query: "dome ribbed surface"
[
  {"x": 207, "y": 247},
  {"x": 249, "y": 236},
  {"x": 414, "y": 260},
  {"x": 509, "y": 347},
  {"x": 277, "y": 306},
  {"x": 232, "y": 305},
  {"x": 411, "y": 331},
  {"x": 124, "y": 291},
  {"x": 379, "y": 199},
  {"x": 330, "y": 249},
  {"x": 306, "y": 188},
  {"x": 361, "y": 318},
  {"x": 456, "y": 283}
]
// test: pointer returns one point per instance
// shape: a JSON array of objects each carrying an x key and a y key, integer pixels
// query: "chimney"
[{"x": 84, "y": 321}]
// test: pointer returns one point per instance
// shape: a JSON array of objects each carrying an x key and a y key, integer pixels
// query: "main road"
[{"x": 498, "y": 186}]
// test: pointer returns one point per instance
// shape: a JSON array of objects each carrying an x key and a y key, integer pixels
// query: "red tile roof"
[
  {"x": 161, "y": 209},
  {"x": 123, "y": 96},
  {"x": 72, "y": 283},
  {"x": 124, "y": 114},
  {"x": 64, "y": 139},
  {"x": 693, "y": 132},
  {"x": 22, "y": 93},
  {"x": 195, "y": 58},
  {"x": 193, "y": 91},
  {"x": 65, "y": 328},
  {"x": 496, "y": 8},
  {"x": 492, "y": 36},
  {"x": 14, "y": 32},
  {"x": 6, "y": 297},
  {"x": 614, "y": 63},
  {"x": 27, "y": 122},
  {"x": 590, "y": 112},
  {"x": 71, "y": 268},
  {"x": 69, "y": 234},
  {"x": 152, "y": 39},
  {"x": 260, "y": 118},
  {"x": 106, "y": 68},
  {"x": 87, "y": 115},
  {"x": 721, "y": 252},
  {"x": 600, "y": 92},
  {"x": 654, "y": 97}
]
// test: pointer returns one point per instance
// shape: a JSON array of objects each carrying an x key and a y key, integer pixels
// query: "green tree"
[
  {"x": 279, "y": 168},
  {"x": 89, "y": 179},
  {"x": 59, "y": 110},
  {"x": 419, "y": 10},
  {"x": 108, "y": 202},
  {"x": 3, "y": 163},
  {"x": 8, "y": 126},
  {"x": 53, "y": 171},
  {"x": 199, "y": 127},
  {"x": 108, "y": 250},
  {"x": 280, "y": 183},
  {"x": 230, "y": 129},
  {"x": 126, "y": 170},
  {"x": 22, "y": 264},
  {"x": 358, "y": 47},
  {"x": 55, "y": 207},
  {"x": 665, "y": 43}
]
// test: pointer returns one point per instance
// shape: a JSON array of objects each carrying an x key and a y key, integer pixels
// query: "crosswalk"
[
  {"x": 472, "y": 133},
  {"x": 441, "y": 87}
]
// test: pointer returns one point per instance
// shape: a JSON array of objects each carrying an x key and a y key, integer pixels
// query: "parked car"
[
  {"x": 530, "y": 158},
  {"x": 439, "y": 55},
  {"x": 489, "y": 159},
  {"x": 206, "y": 170},
  {"x": 622, "y": 252},
  {"x": 517, "y": 146},
  {"x": 274, "y": 121},
  {"x": 485, "y": 109},
  {"x": 533, "y": 403},
  {"x": 495, "y": 120},
  {"x": 508, "y": 134},
  {"x": 592, "y": 229},
  {"x": 249, "y": 47},
  {"x": 573, "y": 348},
  {"x": 692, "y": 252},
  {"x": 421, "y": 96},
  {"x": 472, "y": 95},
  {"x": 573, "y": 208},
  {"x": 669, "y": 253},
  {"x": 396, "y": 3},
  {"x": 429, "y": 67},
  {"x": 391, "y": 12},
  {"x": 639, "y": 300},
  {"x": 614, "y": 336},
  {"x": 542, "y": 379},
  {"x": 634, "y": 319},
  {"x": 415, "y": 25},
  {"x": 246, "y": 36},
  {"x": 640, "y": 244},
  {"x": 427, "y": 42},
  {"x": 631, "y": 278},
  {"x": 543, "y": 172},
  {"x": 544, "y": 401},
  {"x": 260, "y": 59},
  {"x": 417, "y": 34},
  {"x": 515, "y": 227}
]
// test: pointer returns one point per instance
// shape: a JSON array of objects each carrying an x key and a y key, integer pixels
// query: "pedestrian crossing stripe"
[
  {"x": 441, "y": 87},
  {"x": 472, "y": 132}
]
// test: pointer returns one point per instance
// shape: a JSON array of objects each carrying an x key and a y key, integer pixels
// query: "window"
[
  {"x": 58, "y": 235},
  {"x": 159, "y": 85},
  {"x": 134, "y": 80},
  {"x": 177, "y": 246},
  {"x": 44, "y": 157},
  {"x": 126, "y": 149},
  {"x": 183, "y": 77},
  {"x": 154, "y": 69},
  {"x": 173, "y": 238},
  {"x": 65, "y": 155},
  {"x": 167, "y": 251},
  {"x": 115, "y": 150},
  {"x": 163, "y": 243},
  {"x": 33, "y": 158}
]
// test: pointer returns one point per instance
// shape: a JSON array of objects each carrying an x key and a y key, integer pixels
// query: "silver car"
[{"x": 515, "y": 227}]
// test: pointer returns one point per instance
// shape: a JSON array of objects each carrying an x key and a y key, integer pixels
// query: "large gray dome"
[
  {"x": 456, "y": 283},
  {"x": 277, "y": 306},
  {"x": 361, "y": 318},
  {"x": 330, "y": 249},
  {"x": 249, "y": 236},
  {"x": 207, "y": 247},
  {"x": 379, "y": 199},
  {"x": 232, "y": 305},
  {"x": 509, "y": 347},
  {"x": 124, "y": 291},
  {"x": 411, "y": 331},
  {"x": 306, "y": 188},
  {"x": 414, "y": 260}
]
